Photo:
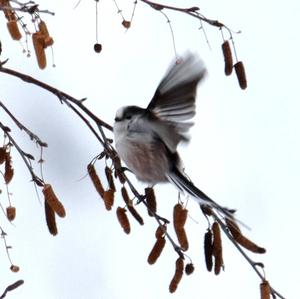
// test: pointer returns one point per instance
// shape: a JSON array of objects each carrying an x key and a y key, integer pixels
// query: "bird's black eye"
[{"x": 128, "y": 116}]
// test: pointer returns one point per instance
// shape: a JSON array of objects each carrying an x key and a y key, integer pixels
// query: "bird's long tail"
[{"x": 186, "y": 186}]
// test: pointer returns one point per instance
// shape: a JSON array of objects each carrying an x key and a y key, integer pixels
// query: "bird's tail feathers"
[{"x": 186, "y": 186}]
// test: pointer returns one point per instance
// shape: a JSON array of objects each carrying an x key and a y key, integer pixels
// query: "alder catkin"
[
  {"x": 125, "y": 196},
  {"x": 11, "y": 213},
  {"x": 217, "y": 247},
  {"x": 160, "y": 231},
  {"x": 8, "y": 170},
  {"x": 227, "y": 58},
  {"x": 177, "y": 276},
  {"x": 2, "y": 154},
  {"x": 179, "y": 216},
  {"x": 108, "y": 198},
  {"x": 151, "y": 201},
  {"x": 179, "y": 219},
  {"x": 50, "y": 219},
  {"x": 13, "y": 29},
  {"x": 265, "y": 291},
  {"x": 38, "y": 44},
  {"x": 53, "y": 201},
  {"x": 95, "y": 179},
  {"x": 156, "y": 250},
  {"x": 123, "y": 219},
  {"x": 208, "y": 250},
  {"x": 241, "y": 239},
  {"x": 241, "y": 74},
  {"x": 110, "y": 178},
  {"x": 135, "y": 215}
]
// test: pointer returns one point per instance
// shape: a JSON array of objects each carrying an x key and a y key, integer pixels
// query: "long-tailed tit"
[{"x": 147, "y": 139}]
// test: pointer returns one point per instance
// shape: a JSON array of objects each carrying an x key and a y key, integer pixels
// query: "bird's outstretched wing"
[
  {"x": 173, "y": 103},
  {"x": 174, "y": 98}
]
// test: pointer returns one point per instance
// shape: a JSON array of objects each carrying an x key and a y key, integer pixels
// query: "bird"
[{"x": 146, "y": 139}]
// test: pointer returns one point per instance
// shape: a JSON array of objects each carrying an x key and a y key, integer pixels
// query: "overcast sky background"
[{"x": 244, "y": 150}]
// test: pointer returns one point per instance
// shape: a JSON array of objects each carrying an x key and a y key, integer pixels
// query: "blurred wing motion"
[{"x": 174, "y": 100}]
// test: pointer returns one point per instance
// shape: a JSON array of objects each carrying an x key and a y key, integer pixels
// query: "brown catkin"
[
  {"x": 177, "y": 276},
  {"x": 135, "y": 215},
  {"x": 156, "y": 250},
  {"x": 217, "y": 247},
  {"x": 43, "y": 28},
  {"x": 265, "y": 290},
  {"x": 227, "y": 58},
  {"x": 123, "y": 219},
  {"x": 11, "y": 213},
  {"x": 160, "y": 231},
  {"x": 118, "y": 170},
  {"x": 2, "y": 154},
  {"x": 50, "y": 219},
  {"x": 179, "y": 219},
  {"x": 95, "y": 179},
  {"x": 179, "y": 216},
  {"x": 38, "y": 44},
  {"x": 241, "y": 74},
  {"x": 13, "y": 29},
  {"x": 208, "y": 250},
  {"x": 53, "y": 201},
  {"x": 110, "y": 178},
  {"x": 108, "y": 198},
  {"x": 8, "y": 170},
  {"x": 125, "y": 196},
  {"x": 151, "y": 200},
  {"x": 241, "y": 239}
]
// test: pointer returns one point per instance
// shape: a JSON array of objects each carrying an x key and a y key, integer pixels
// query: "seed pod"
[
  {"x": 160, "y": 231},
  {"x": 241, "y": 239},
  {"x": 126, "y": 24},
  {"x": 123, "y": 219},
  {"x": 2, "y": 154},
  {"x": 109, "y": 177},
  {"x": 265, "y": 290},
  {"x": 241, "y": 74},
  {"x": 14, "y": 268},
  {"x": 53, "y": 201},
  {"x": 8, "y": 170},
  {"x": 151, "y": 201},
  {"x": 50, "y": 219},
  {"x": 13, "y": 29},
  {"x": 95, "y": 179},
  {"x": 227, "y": 57},
  {"x": 177, "y": 276},
  {"x": 97, "y": 48},
  {"x": 38, "y": 44},
  {"x": 108, "y": 198},
  {"x": 217, "y": 247},
  {"x": 156, "y": 250},
  {"x": 11, "y": 213},
  {"x": 208, "y": 250},
  {"x": 189, "y": 268}
]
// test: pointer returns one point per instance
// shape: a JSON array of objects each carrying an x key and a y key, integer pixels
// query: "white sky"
[{"x": 244, "y": 151}]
